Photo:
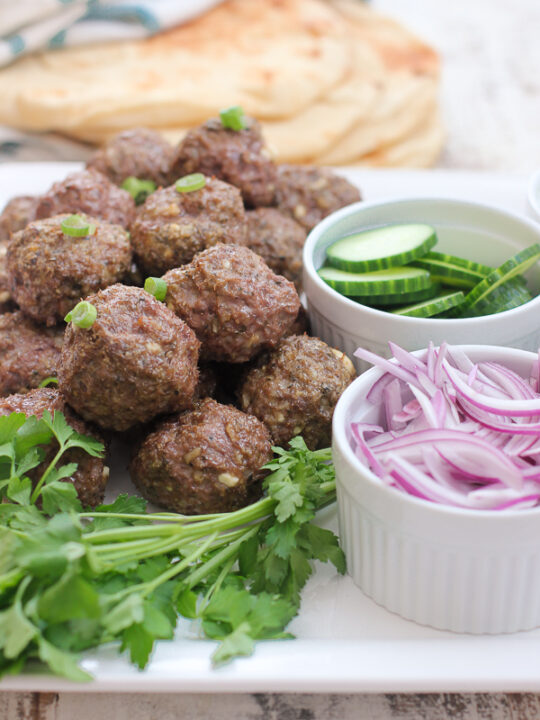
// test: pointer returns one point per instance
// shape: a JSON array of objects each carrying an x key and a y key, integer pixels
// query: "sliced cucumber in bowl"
[
  {"x": 431, "y": 307},
  {"x": 380, "y": 282},
  {"x": 382, "y": 247}
]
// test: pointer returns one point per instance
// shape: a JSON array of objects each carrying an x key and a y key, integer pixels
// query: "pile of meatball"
[{"x": 203, "y": 381}]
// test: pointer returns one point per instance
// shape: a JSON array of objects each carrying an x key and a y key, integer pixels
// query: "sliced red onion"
[{"x": 470, "y": 437}]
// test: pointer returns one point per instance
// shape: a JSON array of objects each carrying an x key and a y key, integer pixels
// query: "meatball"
[
  {"x": 308, "y": 193},
  {"x": 49, "y": 271},
  {"x": 91, "y": 475},
  {"x": 232, "y": 300},
  {"x": 136, "y": 361},
  {"x": 204, "y": 461},
  {"x": 294, "y": 389},
  {"x": 237, "y": 156},
  {"x": 6, "y": 304},
  {"x": 172, "y": 227},
  {"x": 279, "y": 240},
  {"x": 91, "y": 192},
  {"x": 139, "y": 152},
  {"x": 16, "y": 215},
  {"x": 28, "y": 353}
]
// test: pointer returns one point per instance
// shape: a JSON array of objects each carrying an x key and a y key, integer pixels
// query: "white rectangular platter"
[{"x": 345, "y": 642}]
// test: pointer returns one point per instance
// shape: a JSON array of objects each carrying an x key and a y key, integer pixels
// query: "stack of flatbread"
[{"x": 332, "y": 82}]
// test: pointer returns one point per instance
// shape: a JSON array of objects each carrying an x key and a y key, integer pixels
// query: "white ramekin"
[
  {"x": 471, "y": 230},
  {"x": 533, "y": 196},
  {"x": 453, "y": 569}
]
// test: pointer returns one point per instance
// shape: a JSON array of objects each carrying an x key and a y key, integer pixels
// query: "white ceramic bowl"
[
  {"x": 533, "y": 196},
  {"x": 454, "y": 569},
  {"x": 471, "y": 230}
]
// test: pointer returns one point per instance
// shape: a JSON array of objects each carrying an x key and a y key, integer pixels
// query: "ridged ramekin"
[
  {"x": 453, "y": 569},
  {"x": 471, "y": 230}
]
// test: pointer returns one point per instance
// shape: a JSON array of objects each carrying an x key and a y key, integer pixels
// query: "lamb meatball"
[
  {"x": 279, "y": 240},
  {"x": 28, "y": 353},
  {"x": 171, "y": 226},
  {"x": 16, "y": 215},
  {"x": 49, "y": 271},
  {"x": 91, "y": 475},
  {"x": 204, "y": 461},
  {"x": 294, "y": 389},
  {"x": 139, "y": 152},
  {"x": 237, "y": 156},
  {"x": 136, "y": 361},
  {"x": 308, "y": 193},
  {"x": 232, "y": 300},
  {"x": 91, "y": 192}
]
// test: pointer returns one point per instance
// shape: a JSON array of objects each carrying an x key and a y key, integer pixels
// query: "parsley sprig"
[{"x": 73, "y": 579}]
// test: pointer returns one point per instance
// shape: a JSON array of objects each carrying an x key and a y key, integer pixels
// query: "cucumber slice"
[
  {"x": 402, "y": 298},
  {"x": 453, "y": 271},
  {"x": 382, "y": 247},
  {"x": 507, "y": 296},
  {"x": 380, "y": 282},
  {"x": 428, "y": 308},
  {"x": 516, "y": 265}
]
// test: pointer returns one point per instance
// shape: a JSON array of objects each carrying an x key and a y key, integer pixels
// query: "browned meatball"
[
  {"x": 6, "y": 303},
  {"x": 204, "y": 461},
  {"x": 139, "y": 152},
  {"x": 294, "y": 389},
  {"x": 91, "y": 192},
  {"x": 237, "y": 156},
  {"x": 308, "y": 193},
  {"x": 49, "y": 271},
  {"x": 279, "y": 240},
  {"x": 232, "y": 300},
  {"x": 136, "y": 361},
  {"x": 28, "y": 353},
  {"x": 16, "y": 215},
  {"x": 172, "y": 227},
  {"x": 91, "y": 475}
]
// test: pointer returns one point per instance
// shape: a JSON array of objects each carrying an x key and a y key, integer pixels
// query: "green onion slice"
[
  {"x": 82, "y": 315},
  {"x": 189, "y": 183},
  {"x": 156, "y": 287},
  {"x": 48, "y": 381},
  {"x": 233, "y": 118},
  {"x": 139, "y": 189},
  {"x": 77, "y": 226}
]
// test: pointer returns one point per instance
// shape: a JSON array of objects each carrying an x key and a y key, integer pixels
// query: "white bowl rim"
[
  {"x": 435, "y": 323},
  {"x": 533, "y": 193},
  {"x": 339, "y": 438}
]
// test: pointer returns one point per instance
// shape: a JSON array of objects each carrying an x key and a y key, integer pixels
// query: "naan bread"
[{"x": 332, "y": 82}]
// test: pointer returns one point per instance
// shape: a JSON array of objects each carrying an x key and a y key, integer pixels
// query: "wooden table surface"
[{"x": 491, "y": 104}]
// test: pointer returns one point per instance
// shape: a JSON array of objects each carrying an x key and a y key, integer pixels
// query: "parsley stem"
[
  {"x": 197, "y": 575},
  {"x": 46, "y": 474}
]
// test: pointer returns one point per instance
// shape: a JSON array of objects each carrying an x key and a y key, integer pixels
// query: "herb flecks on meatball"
[
  {"x": 294, "y": 389},
  {"x": 232, "y": 300},
  {"x": 49, "y": 270},
  {"x": 136, "y": 361},
  {"x": 279, "y": 240},
  {"x": 91, "y": 475},
  {"x": 90, "y": 192},
  {"x": 139, "y": 152},
  {"x": 16, "y": 215},
  {"x": 204, "y": 461},
  {"x": 172, "y": 226},
  {"x": 237, "y": 156},
  {"x": 28, "y": 353},
  {"x": 309, "y": 193}
]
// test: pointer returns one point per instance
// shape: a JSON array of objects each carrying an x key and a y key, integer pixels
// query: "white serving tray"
[{"x": 345, "y": 642}]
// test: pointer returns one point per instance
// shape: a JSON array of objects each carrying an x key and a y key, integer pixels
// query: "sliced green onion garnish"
[
  {"x": 77, "y": 226},
  {"x": 156, "y": 287},
  {"x": 233, "y": 118},
  {"x": 189, "y": 183},
  {"x": 138, "y": 189},
  {"x": 48, "y": 381},
  {"x": 82, "y": 315}
]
